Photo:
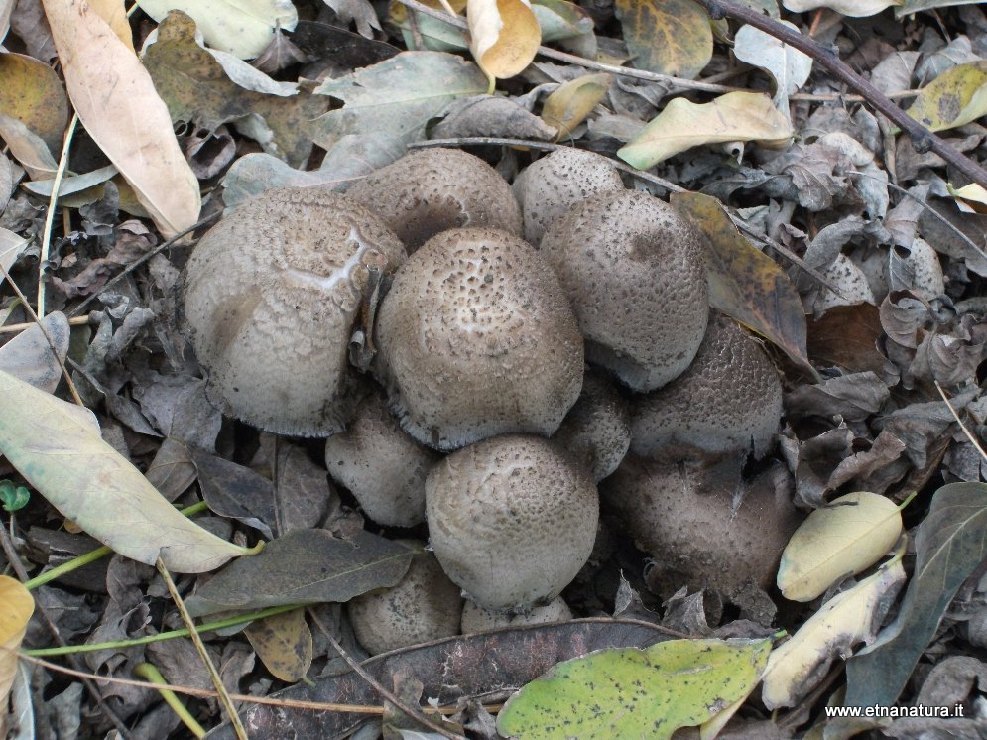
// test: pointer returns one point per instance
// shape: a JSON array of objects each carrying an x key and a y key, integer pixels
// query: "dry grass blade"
[{"x": 966, "y": 431}]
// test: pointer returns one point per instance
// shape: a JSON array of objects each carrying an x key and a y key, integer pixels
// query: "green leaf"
[
  {"x": 951, "y": 542},
  {"x": 672, "y": 37},
  {"x": 14, "y": 497},
  {"x": 636, "y": 693}
]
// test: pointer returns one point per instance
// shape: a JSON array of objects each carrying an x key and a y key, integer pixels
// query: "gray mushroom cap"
[
  {"x": 633, "y": 268},
  {"x": 729, "y": 400},
  {"x": 547, "y": 188},
  {"x": 431, "y": 190},
  {"x": 381, "y": 465},
  {"x": 475, "y": 338},
  {"x": 272, "y": 293},
  {"x": 477, "y": 619},
  {"x": 425, "y": 605},
  {"x": 511, "y": 520}
]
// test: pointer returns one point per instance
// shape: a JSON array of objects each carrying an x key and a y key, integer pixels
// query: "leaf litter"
[{"x": 897, "y": 237}]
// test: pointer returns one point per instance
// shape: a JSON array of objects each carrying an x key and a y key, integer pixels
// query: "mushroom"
[
  {"x": 431, "y": 190},
  {"x": 381, "y": 465},
  {"x": 477, "y": 619},
  {"x": 633, "y": 269},
  {"x": 425, "y": 605},
  {"x": 511, "y": 520},
  {"x": 729, "y": 400},
  {"x": 597, "y": 430},
  {"x": 548, "y": 187},
  {"x": 475, "y": 338},
  {"x": 272, "y": 293},
  {"x": 686, "y": 518}
]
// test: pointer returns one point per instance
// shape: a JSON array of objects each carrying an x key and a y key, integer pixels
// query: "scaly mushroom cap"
[
  {"x": 684, "y": 518},
  {"x": 431, "y": 190},
  {"x": 477, "y": 619},
  {"x": 548, "y": 187},
  {"x": 633, "y": 269},
  {"x": 475, "y": 338},
  {"x": 511, "y": 520},
  {"x": 729, "y": 400},
  {"x": 381, "y": 465},
  {"x": 424, "y": 606},
  {"x": 271, "y": 295}
]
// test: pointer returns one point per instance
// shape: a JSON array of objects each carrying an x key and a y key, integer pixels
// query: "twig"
[
  {"x": 957, "y": 417},
  {"x": 16, "y": 328},
  {"x": 923, "y": 139},
  {"x": 52, "y": 202}
]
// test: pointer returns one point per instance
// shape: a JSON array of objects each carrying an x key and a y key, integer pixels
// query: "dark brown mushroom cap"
[
  {"x": 547, "y": 188},
  {"x": 475, "y": 338},
  {"x": 729, "y": 400},
  {"x": 431, "y": 190},
  {"x": 424, "y": 606},
  {"x": 381, "y": 465},
  {"x": 685, "y": 519},
  {"x": 511, "y": 520},
  {"x": 272, "y": 292},
  {"x": 633, "y": 269}
]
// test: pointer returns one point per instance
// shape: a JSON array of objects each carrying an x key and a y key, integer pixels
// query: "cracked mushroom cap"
[
  {"x": 475, "y": 338},
  {"x": 729, "y": 400},
  {"x": 511, "y": 520},
  {"x": 272, "y": 293},
  {"x": 633, "y": 269},
  {"x": 548, "y": 187},
  {"x": 424, "y": 606},
  {"x": 431, "y": 190},
  {"x": 685, "y": 518},
  {"x": 381, "y": 465}
]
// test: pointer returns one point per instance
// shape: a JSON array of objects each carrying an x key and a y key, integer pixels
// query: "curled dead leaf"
[
  {"x": 504, "y": 35},
  {"x": 573, "y": 101}
]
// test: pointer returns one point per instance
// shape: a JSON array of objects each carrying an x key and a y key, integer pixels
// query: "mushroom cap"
[
  {"x": 477, "y": 619},
  {"x": 597, "y": 430},
  {"x": 431, "y": 190},
  {"x": 546, "y": 188},
  {"x": 381, "y": 465},
  {"x": 475, "y": 338},
  {"x": 729, "y": 400},
  {"x": 633, "y": 269},
  {"x": 272, "y": 292},
  {"x": 684, "y": 518},
  {"x": 511, "y": 520},
  {"x": 425, "y": 605}
]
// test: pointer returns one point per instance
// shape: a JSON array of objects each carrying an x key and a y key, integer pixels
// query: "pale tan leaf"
[
  {"x": 970, "y": 198},
  {"x": 123, "y": 113},
  {"x": 504, "y": 35},
  {"x": 16, "y": 608},
  {"x": 735, "y": 116},
  {"x": 115, "y": 15},
  {"x": 11, "y": 246},
  {"x": 849, "y": 8},
  {"x": 848, "y": 536},
  {"x": 573, "y": 101},
  {"x": 88, "y": 481},
  {"x": 28, "y": 148}
]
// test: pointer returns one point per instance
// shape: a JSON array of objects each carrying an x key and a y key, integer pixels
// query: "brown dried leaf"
[
  {"x": 504, "y": 35},
  {"x": 32, "y": 93},
  {"x": 846, "y": 336},
  {"x": 283, "y": 643}
]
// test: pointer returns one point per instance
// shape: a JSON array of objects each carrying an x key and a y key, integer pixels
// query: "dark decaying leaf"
[
  {"x": 951, "y": 542},
  {"x": 304, "y": 566},
  {"x": 342, "y": 48},
  {"x": 846, "y": 336},
  {"x": 303, "y": 491},
  {"x": 236, "y": 492},
  {"x": 854, "y": 397},
  {"x": 490, "y": 115},
  {"x": 449, "y": 669}
]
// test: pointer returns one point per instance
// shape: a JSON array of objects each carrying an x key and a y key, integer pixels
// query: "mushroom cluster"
[{"x": 480, "y": 357}]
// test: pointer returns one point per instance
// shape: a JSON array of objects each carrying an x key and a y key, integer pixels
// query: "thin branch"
[
  {"x": 923, "y": 140},
  {"x": 17, "y": 328},
  {"x": 956, "y": 416}
]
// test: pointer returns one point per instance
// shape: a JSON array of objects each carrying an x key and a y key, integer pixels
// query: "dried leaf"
[
  {"x": 491, "y": 115},
  {"x": 29, "y": 355},
  {"x": 28, "y": 148},
  {"x": 847, "y": 337},
  {"x": 848, "y": 618},
  {"x": 854, "y": 397},
  {"x": 735, "y": 116},
  {"x": 636, "y": 693},
  {"x": 787, "y": 65},
  {"x": 672, "y": 37},
  {"x": 243, "y": 28},
  {"x": 11, "y": 246},
  {"x": 849, "y": 8},
  {"x": 573, "y": 101},
  {"x": 848, "y": 536},
  {"x": 954, "y": 98},
  {"x": 283, "y": 643},
  {"x": 745, "y": 283},
  {"x": 18, "y": 606},
  {"x": 66, "y": 460},
  {"x": 32, "y": 93},
  {"x": 360, "y": 12},
  {"x": 970, "y": 198},
  {"x": 115, "y": 15},
  {"x": 115, "y": 99},
  {"x": 914, "y": 6},
  {"x": 504, "y": 35},
  {"x": 950, "y": 543},
  {"x": 236, "y": 492}
]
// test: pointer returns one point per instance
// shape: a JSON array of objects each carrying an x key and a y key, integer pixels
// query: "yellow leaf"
[
  {"x": 970, "y": 198},
  {"x": 573, "y": 101},
  {"x": 735, "y": 116},
  {"x": 672, "y": 37},
  {"x": 283, "y": 643},
  {"x": 32, "y": 93},
  {"x": 117, "y": 103},
  {"x": 57, "y": 447},
  {"x": 16, "y": 608},
  {"x": 504, "y": 35},
  {"x": 848, "y": 536},
  {"x": 954, "y": 98},
  {"x": 115, "y": 15}
]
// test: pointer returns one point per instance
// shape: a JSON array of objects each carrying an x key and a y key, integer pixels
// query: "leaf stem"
[{"x": 152, "y": 674}]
